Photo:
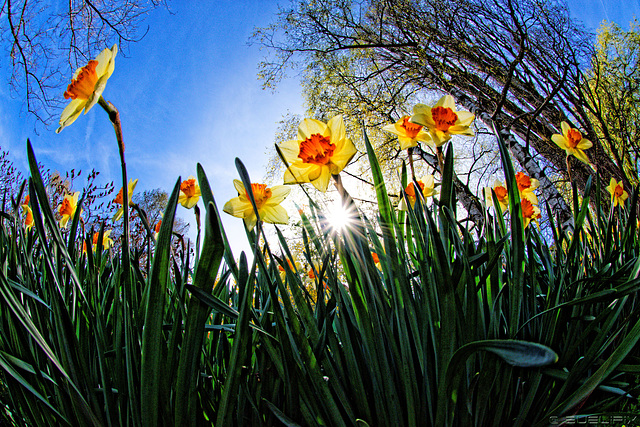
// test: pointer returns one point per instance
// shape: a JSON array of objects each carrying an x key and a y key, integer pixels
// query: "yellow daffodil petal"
[
  {"x": 274, "y": 215},
  {"x": 279, "y": 193},
  {"x": 309, "y": 127},
  {"x": 322, "y": 181}
]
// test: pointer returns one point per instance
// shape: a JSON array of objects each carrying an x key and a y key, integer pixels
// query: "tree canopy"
[{"x": 518, "y": 66}]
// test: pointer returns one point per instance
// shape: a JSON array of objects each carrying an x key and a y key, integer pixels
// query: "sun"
[{"x": 338, "y": 216}]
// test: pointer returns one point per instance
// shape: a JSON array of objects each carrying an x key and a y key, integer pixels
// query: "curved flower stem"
[
  {"x": 114, "y": 116},
  {"x": 413, "y": 172},
  {"x": 440, "y": 159},
  {"x": 568, "y": 169},
  {"x": 127, "y": 284}
]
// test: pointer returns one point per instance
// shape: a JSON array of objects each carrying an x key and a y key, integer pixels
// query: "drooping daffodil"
[
  {"x": 189, "y": 193},
  {"x": 321, "y": 150},
  {"x": 118, "y": 200},
  {"x": 426, "y": 184},
  {"x": 618, "y": 194},
  {"x": 409, "y": 134},
  {"x": 572, "y": 142},
  {"x": 443, "y": 120},
  {"x": 87, "y": 86},
  {"x": 68, "y": 208},
  {"x": 501, "y": 194},
  {"x": 267, "y": 202}
]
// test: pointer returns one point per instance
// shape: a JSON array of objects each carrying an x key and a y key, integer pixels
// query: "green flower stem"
[
  {"x": 440, "y": 159},
  {"x": 127, "y": 285},
  {"x": 413, "y": 172},
  {"x": 114, "y": 117}
]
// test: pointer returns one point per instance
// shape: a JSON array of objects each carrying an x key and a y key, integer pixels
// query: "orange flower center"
[
  {"x": 188, "y": 187},
  {"x": 118, "y": 198},
  {"x": 618, "y": 191},
  {"x": 26, "y": 200},
  {"x": 95, "y": 237},
  {"x": 411, "y": 192},
  {"x": 501, "y": 192},
  {"x": 523, "y": 181},
  {"x": 317, "y": 149},
  {"x": 66, "y": 208},
  {"x": 311, "y": 274},
  {"x": 28, "y": 221},
  {"x": 281, "y": 268},
  {"x": 260, "y": 194},
  {"x": 157, "y": 230},
  {"x": 527, "y": 208},
  {"x": 573, "y": 138},
  {"x": 410, "y": 129},
  {"x": 444, "y": 118},
  {"x": 375, "y": 257},
  {"x": 84, "y": 84}
]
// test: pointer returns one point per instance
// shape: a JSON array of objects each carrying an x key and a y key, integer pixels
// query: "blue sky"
[{"x": 188, "y": 93}]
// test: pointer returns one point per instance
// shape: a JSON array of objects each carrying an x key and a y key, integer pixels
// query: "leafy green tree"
[
  {"x": 516, "y": 65},
  {"x": 612, "y": 95}
]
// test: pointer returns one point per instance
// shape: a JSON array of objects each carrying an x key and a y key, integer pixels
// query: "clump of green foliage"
[{"x": 449, "y": 329}]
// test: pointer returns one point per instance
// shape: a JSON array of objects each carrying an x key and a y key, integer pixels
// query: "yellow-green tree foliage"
[{"x": 613, "y": 94}]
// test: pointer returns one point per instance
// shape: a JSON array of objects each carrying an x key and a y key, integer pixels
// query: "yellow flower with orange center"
[
  {"x": 618, "y": 194},
  {"x": 293, "y": 266},
  {"x": 572, "y": 142},
  {"x": 157, "y": 230},
  {"x": 189, "y": 193},
  {"x": 501, "y": 194},
  {"x": 118, "y": 200},
  {"x": 87, "y": 86},
  {"x": 106, "y": 240},
  {"x": 67, "y": 209},
  {"x": 409, "y": 134},
  {"x": 267, "y": 202},
  {"x": 28, "y": 218},
  {"x": 526, "y": 185},
  {"x": 426, "y": 184},
  {"x": 529, "y": 212},
  {"x": 443, "y": 120},
  {"x": 320, "y": 151}
]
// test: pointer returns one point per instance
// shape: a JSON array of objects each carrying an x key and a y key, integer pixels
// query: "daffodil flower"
[
  {"x": 87, "y": 86},
  {"x": 189, "y": 193},
  {"x": 572, "y": 142},
  {"x": 501, "y": 194},
  {"x": 28, "y": 218},
  {"x": 106, "y": 240},
  {"x": 529, "y": 212},
  {"x": 426, "y": 184},
  {"x": 526, "y": 185},
  {"x": 68, "y": 208},
  {"x": 618, "y": 194},
  {"x": 267, "y": 201},
  {"x": 157, "y": 230},
  {"x": 443, "y": 120},
  {"x": 28, "y": 213},
  {"x": 409, "y": 134},
  {"x": 320, "y": 151},
  {"x": 293, "y": 266},
  {"x": 118, "y": 200}
]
